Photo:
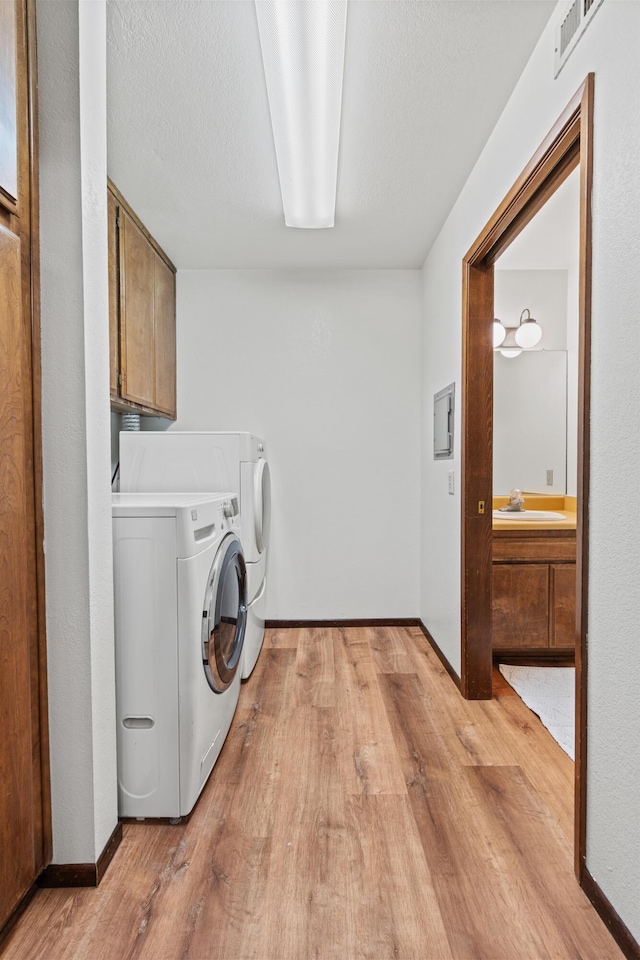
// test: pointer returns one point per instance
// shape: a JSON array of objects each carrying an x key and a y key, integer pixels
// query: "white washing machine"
[
  {"x": 206, "y": 462},
  {"x": 180, "y": 588}
]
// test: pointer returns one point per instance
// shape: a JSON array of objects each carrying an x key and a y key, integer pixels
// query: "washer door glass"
[
  {"x": 224, "y": 616},
  {"x": 262, "y": 505}
]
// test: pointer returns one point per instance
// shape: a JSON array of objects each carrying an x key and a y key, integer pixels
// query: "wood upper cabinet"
[
  {"x": 142, "y": 316},
  {"x": 534, "y": 593}
]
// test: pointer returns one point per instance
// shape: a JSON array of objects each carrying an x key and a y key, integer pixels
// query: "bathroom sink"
[{"x": 527, "y": 515}]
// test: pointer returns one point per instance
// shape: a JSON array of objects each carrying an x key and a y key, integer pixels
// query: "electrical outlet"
[
  {"x": 549, "y": 478},
  {"x": 451, "y": 483}
]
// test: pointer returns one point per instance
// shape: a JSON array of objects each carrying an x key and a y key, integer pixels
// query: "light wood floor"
[{"x": 360, "y": 809}]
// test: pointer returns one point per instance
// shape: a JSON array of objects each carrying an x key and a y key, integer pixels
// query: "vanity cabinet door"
[
  {"x": 520, "y": 605},
  {"x": 563, "y": 605}
]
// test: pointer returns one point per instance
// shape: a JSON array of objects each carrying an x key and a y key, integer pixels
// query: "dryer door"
[
  {"x": 262, "y": 505},
  {"x": 224, "y": 615}
]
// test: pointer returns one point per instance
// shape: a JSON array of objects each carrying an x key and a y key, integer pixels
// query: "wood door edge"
[
  {"x": 584, "y": 467},
  {"x": 46, "y": 852},
  {"x": 11, "y": 921}
]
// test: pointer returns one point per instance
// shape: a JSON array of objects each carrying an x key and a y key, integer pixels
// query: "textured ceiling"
[{"x": 190, "y": 144}]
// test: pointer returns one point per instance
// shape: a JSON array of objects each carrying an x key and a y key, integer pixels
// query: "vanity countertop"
[{"x": 558, "y": 504}]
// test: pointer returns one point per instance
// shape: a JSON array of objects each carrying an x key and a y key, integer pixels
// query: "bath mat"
[{"x": 550, "y": 693}]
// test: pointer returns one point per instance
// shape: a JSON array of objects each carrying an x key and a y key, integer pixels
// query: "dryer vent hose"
[{"x": 130, "y": 421}]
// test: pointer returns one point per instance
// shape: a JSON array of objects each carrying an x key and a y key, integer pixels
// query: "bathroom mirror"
[
  {"x": 535, "y": 403},
  {"x": 530, "y": 422}
]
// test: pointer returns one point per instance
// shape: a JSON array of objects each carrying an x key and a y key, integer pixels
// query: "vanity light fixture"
[
  {"x": 511, "y": 341},
  {"x": 303, "y": 55},
  {"x": 529, "y": 332}
]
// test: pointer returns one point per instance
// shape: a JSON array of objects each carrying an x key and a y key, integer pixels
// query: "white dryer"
[
  {"x": 180, "y": 613},
  {"x": 206, "y": 462}
]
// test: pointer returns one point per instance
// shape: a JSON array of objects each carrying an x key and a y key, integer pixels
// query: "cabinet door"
[
  {"x": 17, "y": 814},
  {"x": 164, "y": 305},
  {"x": 137, "y": 277},
  {"x": 114, "y": 320},
  {"x": 563, "y": 605},
  {"x": 520, "y": 615}
]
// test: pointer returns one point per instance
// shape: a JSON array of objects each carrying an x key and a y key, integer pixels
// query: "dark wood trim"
[
  {"x": 440, "y": 655},
  {"x": 539, "y": 174},
  {"x": 584, "y": 461},
  {"x": 477, "y": 492},
  {"x": 618, "y": 930},
  {"x": 11, "y": 921},
  {"x": 82, "y": 874},
  {"x": 108, "y": 853},
  {"x": 301, "y": 624},
  {"x": 546, "y": 658},
  {"x": 43, "y": 855},
  {"x": 568, "y": 143},
  {"x": 68, "y": 875},
  {"x": 138, "y": 222}
]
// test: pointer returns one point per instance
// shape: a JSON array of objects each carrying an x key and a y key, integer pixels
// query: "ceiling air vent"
[{"x": 575, "y": 19}]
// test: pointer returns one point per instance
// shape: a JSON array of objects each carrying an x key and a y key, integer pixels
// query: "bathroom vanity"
[{"x": 534, "y": 588}]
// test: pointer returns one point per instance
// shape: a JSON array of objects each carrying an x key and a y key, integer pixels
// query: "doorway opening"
[{"x": 568, "y": 146}]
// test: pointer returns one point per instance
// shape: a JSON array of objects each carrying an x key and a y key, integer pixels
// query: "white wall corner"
[{"x": 75, "y": 425}]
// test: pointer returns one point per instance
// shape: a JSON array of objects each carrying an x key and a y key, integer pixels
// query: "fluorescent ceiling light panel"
[{"x": 303, "y": 54}]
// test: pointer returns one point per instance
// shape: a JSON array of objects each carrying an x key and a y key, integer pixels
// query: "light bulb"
[
  {"x": 499, "y": 333},
  {"x": 529, "y": 334}
]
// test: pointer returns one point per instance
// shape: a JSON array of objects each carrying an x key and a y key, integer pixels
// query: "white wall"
[
  {"x": 75, "y": 425},
  {"x": 543, "y": 293},
  {"x": 325, "y": 366},
  {"x": 610, "y": 48}
]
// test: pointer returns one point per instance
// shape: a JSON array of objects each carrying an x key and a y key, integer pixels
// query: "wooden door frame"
[{"x": 568, "y": 145}]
